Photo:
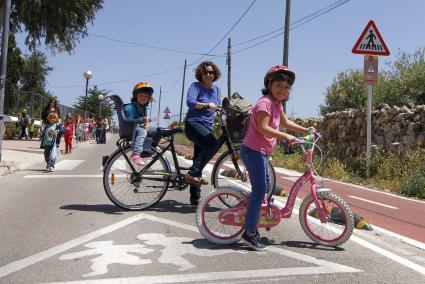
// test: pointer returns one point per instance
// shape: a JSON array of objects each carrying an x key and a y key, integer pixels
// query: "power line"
[
  {"x": 293, "y": 25},
  {"x": 147, "y": 45},
  {"x": 227, "y": 33}
]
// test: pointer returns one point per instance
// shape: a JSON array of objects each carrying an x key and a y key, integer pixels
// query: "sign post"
[{"x": 371, "y": 44}]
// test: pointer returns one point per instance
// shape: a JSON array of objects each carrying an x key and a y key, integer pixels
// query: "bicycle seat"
[
  {"x": 166, "y": 132},
  {"x": 125, "y": 125}
]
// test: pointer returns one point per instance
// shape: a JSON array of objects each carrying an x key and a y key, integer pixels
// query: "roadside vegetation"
[{"x": 387, "y": 170}]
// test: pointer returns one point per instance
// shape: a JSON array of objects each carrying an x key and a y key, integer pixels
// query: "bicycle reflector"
[{"x": 113, "y": 178}]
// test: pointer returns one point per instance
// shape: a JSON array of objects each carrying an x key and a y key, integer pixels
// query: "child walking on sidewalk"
[
  {"x": 49, "y": 141},
  {"x": 69, "y": 132}
]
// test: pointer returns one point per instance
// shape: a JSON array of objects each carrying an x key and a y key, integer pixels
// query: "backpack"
[{"x": 238, "y": 115}]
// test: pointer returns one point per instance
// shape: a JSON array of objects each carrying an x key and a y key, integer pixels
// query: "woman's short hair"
[{"x": 201, "y": 68}]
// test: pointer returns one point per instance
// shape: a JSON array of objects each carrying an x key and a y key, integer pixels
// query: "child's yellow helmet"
[{"x": 142, "y": 87}]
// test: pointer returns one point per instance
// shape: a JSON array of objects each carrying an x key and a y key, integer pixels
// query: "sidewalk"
[{"x": 21, "y": 154}]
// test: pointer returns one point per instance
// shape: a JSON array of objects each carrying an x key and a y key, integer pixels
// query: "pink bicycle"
[{"x": 324, "y": 216}]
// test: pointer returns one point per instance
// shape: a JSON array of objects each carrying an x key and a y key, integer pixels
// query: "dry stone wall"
[{"x": 400, "y": 129}]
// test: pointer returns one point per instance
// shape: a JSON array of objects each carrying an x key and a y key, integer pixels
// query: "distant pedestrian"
[
  {"x": 31, "y": 129},
  {"x": 24, "y": 122},
  {"x": 68, "y": 133},
  {"x": 52, "y": 106},
  {"x": 49, "y": 141}
]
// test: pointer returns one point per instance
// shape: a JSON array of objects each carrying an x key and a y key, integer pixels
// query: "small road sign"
[
  {"x": 167, "y": 110},
  {"x": 370, "y": 69},
  {"x": 166, "y": 116},
  {"x": 371, "y": 42}
]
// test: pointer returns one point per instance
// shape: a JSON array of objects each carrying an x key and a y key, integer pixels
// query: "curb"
[{"x": 9, "y": 167}]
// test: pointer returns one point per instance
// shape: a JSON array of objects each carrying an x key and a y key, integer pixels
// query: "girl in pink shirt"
[{"x": 267, "y": 116}]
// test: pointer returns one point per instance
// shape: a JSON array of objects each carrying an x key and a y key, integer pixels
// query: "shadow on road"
[
  {"x": 173, "y": 206},
  {"x": 104, "y": 208},
  {"x": 307, "y": 245}
]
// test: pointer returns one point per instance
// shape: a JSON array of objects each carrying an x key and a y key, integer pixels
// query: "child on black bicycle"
[
  {"x": 258, "y": 144},
  {"x": 138, "y": 109}
]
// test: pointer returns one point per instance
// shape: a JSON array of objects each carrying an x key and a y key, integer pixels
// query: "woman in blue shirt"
[{"x": 202, "y": 101}]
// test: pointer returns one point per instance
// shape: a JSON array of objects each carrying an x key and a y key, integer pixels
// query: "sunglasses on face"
[{"x": 209, "y": 73}]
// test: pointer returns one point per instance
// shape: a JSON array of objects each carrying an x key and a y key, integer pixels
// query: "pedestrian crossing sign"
[{"x": 371, "y": 42}]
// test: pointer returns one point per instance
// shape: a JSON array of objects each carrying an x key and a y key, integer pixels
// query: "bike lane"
[{"x": 394, "y": 213}]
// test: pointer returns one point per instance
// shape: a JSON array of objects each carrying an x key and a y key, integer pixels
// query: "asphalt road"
[{"x": 60, "y": 227}]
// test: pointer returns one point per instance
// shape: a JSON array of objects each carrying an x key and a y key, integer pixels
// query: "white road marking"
[
  {"x": 47, "y": 176},
  {"x": 324, "y": 267},
  {"x": 67, "y": 165},
  {"x": 373, "y": 202}
]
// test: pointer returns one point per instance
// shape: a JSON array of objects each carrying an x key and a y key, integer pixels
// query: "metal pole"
[
  {"x": 100, "y": 108},
  {"x": 369, "y": 127},
  {"x": 41, "y": 106},
  {"x": 181, "y": 100},
  {"x": 32, "y": 104},
  {"x": 159, "y": 106},
  {"x": 3, "y": 63},
  {"x": 286, "y": 40},
  {"x": 85, "y": 107},
  {"x": 229, "y": 72}
]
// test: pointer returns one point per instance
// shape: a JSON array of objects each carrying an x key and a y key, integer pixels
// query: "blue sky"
[{"x": 318, "y": 49}]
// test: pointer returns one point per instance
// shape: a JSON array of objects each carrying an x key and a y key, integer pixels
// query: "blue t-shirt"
[
  {"x": 198, "y": 93},
  {"x": 133, "y": 111}
]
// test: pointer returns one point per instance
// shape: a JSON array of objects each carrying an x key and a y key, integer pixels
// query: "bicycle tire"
[
  {"x": 224, "y": 167},
  {"x": 339, "y": 226},
  {"x": 132, "y": 190},
  {"x": 207, "y": 215}
]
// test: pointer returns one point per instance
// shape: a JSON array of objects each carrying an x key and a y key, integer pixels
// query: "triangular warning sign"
[
  {"x": 370, "y": 70},
  {"x": 371, "y": 42},
  {"x": 167, "y": 110}
]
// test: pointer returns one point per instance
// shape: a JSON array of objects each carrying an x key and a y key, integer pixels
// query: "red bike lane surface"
[{"x": 400, "y": 215}]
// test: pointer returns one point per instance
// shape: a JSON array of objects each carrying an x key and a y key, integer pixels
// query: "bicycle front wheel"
[
  {"x": 339, "y": 223},
  {"x": 225, "y": 173},
  {"x": 136, "y": 189}
]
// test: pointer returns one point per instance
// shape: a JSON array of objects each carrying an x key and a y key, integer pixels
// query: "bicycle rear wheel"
[
  {"x": 224, "y": 173},
  {"x": 135, "y": 190},
  {"x": 339, "y": 224},
  {"x": 207, "y": 215}
]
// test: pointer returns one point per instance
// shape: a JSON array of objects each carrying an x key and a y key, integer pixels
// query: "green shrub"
[
  {"x": 180, "y": 139},
  {"x": 413, "y": 182},
  {"x": 335, "y": 169}
]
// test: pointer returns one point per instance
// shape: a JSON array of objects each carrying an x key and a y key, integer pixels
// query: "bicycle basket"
[{"x": 238, "y": 126}]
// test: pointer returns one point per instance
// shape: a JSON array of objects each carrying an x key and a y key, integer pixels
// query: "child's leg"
[
  {"x": 256, "y": 164},
  {"x": 139, "y": 135}
]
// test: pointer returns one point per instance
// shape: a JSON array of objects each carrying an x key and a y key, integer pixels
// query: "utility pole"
[
  {"x": 181, "y": 101},
  {"x": 286, "y": 40},
  {"x": 159, "y": 106},
  {"x": 3, "y": 63},
  {"x": 229, "y": 70}
]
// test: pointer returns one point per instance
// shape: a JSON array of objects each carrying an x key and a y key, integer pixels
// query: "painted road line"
[
  {"x": 321, "y": 266},
  {"x": 373, "y": 202},
  {"x": 403, "y": 261},
  {"x": 67, "y": 165},
  {"x": 62, "y": 176}
]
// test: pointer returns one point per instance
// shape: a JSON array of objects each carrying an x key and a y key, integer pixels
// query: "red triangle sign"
[{"x": 371, "y": 42}]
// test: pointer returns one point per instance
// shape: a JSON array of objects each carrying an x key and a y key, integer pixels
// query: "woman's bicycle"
[
  {"x": 324, "y": 216},
  {"x": 133, "y": 187}
]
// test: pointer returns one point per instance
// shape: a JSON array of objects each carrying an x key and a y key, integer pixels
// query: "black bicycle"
[{"x": 134, "y": 187}]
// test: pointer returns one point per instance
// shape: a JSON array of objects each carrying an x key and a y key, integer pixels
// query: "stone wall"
[{"x": 393, "y": 128}]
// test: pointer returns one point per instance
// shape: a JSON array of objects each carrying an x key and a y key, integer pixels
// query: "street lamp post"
[
  {"x": 100, "y": 97},
  {"x": 87, "y": 75}
]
